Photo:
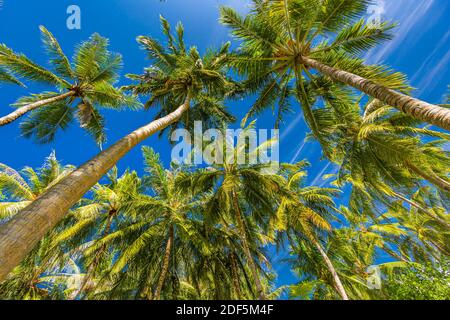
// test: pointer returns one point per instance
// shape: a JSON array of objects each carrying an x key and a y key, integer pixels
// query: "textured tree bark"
[
  {"x": 235, "y": 276},
  {"x": 97, "y": 258},
  {"x": 165, "y": 266},
  {"x": 30, "y": 107},
  {"x": 337, "y": 281},
  {"x": 248, "y": 254},
  {"x": 19, "y": 236},
  {"x": 416, "y": 108},
  {"x": 432, "y": 178}
]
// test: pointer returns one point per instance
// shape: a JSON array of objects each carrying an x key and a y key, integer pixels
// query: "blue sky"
[{"x": 420, "y": 49}]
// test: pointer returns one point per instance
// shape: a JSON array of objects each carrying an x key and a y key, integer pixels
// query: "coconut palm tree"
[
  {"x": 424, "y": 239},
  {"x": 352, "y": 250},
  {"x": 389, "y": 138},
  {"x": 84, "y": 86},
  {"x": 287, "y": 39},
  {"x": 221, "y": 272},
  {"x": 95, "y": 218},
  {"x": 156, "y": 232},
  {"x": 19, "y": 189},
  {"x": 188, "y": 79},
  {"x": 245, "y": 195},
  {"x": 382, "y": 154},
  {"x": 307, "y": 215},
  {"x": 39, "y": 276}
]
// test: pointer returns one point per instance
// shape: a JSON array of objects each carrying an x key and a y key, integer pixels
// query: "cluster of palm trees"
[{"x": 204, "y": 233}]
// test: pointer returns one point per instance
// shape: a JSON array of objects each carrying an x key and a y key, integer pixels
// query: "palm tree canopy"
[
  {"x": 90, "y": 77},
  {"x": 178, "y": 71},
  {"x": 18, "y": 189},
  {"x": 277, "y": 34}
]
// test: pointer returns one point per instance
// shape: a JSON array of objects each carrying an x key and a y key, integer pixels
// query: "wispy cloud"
[
  {"x": 292, "y": 126},
  {"x": 300, "y": 148},
  {"x": 431, "y": 73},
  {"x": 320, "y": 174},
  {"x": 409, "y": 12}
]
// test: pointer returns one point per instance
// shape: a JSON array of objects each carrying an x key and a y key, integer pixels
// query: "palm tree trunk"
[
  {"x": 432, "y": 178},
  {"x": 243, "y": 236},
  {"x": 416, "y": 108},
  {"x": 165, "y": 266},
  {"x": 98, "y": 255},
  {"x": 30, "y": 107},
  {"x": 235, "y": 276},
  {"x": 19, "y": 235},
  {"x": 337, "y": 281}
]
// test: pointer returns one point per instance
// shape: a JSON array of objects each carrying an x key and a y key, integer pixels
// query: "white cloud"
[
  {"x": 408, "y": 13},
  {"x": 430, "y": 73}
]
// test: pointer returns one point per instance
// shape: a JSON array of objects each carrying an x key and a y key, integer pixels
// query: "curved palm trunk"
[
  {"x": 235, "y": 276},
  {"x": 165, "y": 267},
  {"x": 98, "y": 255},
  {"x": 30, "y": 107},
  {"x": 19, "y": 236},
  {"x": 432, "y": 178},
  {"x": 337, "y": 281},
  {"x": 416, "y": 108},
  {"x": 248, "y": 254}
]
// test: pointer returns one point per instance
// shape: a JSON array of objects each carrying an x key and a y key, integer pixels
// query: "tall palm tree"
[
  {"x": 40, "y": 276},
  {"x": 424, "y": 239},
  {"x": 187, "y": 78},
  {"x": 387, "y": 139},
  {"x": 95, "y": 218},
  {"x": 382, "y": 154},
  {"x": 352, "y": 249},
  {"x": 36, "y": 275},
  {"x": 156, "y": 232},
  {"x": 245, "y": 195},
  {"x": 307, "y": 215},
  {"x": 285, "y": 39},
  {"x": 19, "y": 189},
  {"x": 83, "y": 86}
]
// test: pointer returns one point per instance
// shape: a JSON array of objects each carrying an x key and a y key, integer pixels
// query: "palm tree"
[
  {"x": 84, "y": 86},
  {"x": 307, "y": 214},
  {"x": 39, "y": 276},
  {"x": 352, "y": 249},
  {"x": 36, "y": 276},
  {"x": 245, "y": 195},
  {"x": 382, "y": 154},
  {"x": 387, "y": 137},
  {"x": 187, "y": 78},
  {"x": 156, "y": 231},
  {"x": 95, "y": 218},
  {"x": 424, "y": 239},
  {"x": 19, "y": 189},
  {"x": 285, "y": 39}
]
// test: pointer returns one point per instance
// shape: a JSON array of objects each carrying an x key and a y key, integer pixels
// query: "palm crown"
[
  {"x": 18, "y": 189},
  {"x": 178, "y": 72},
  {"x": 84, "y": 86},
  {"x": 283, "y": 40}
]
